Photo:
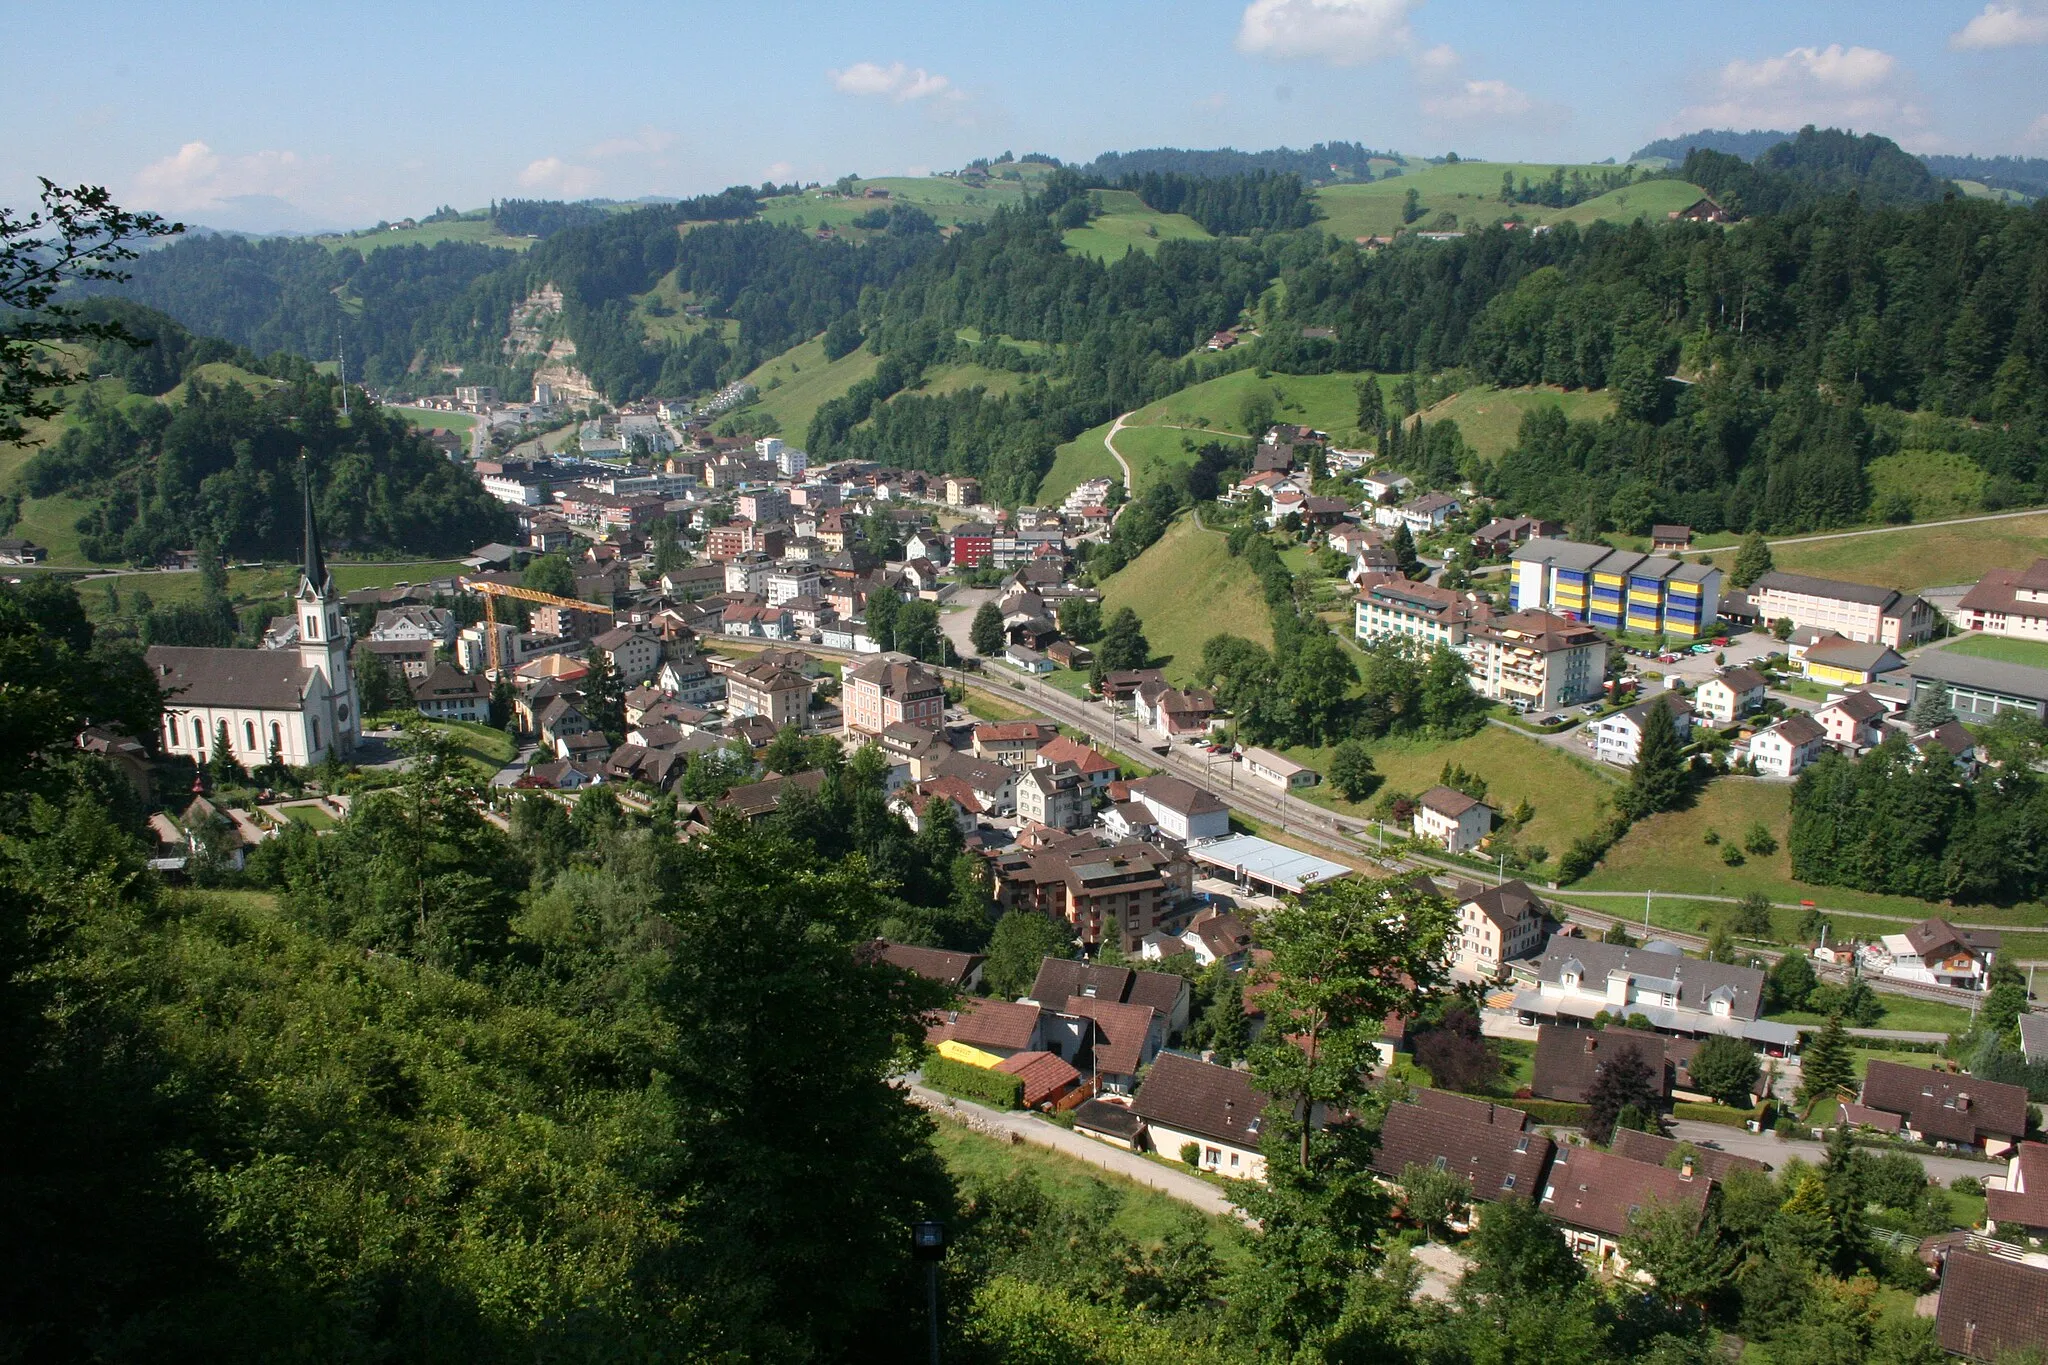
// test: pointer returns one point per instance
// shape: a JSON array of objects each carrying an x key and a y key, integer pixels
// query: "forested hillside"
[{"x": 1324, "y": 161}]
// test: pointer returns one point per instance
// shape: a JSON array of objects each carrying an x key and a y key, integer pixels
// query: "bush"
[
  {"x": 1760, "y": 841},
  {"x": 1556, "y": 1112},
  {"x": 1720, "y": 1113},
  {"x": 974, "y": 1083},
  {"x": 1191, "y": 1154},
  {"x": 1966, "y": 1184}
]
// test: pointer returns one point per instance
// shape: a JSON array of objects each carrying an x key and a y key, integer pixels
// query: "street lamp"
[{"x": 928, "y": 1244}]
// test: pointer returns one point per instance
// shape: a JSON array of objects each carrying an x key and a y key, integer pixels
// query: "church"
[{"x": 297, "y": 703}]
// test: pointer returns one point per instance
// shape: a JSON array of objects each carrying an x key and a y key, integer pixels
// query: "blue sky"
[{"x": 297, "y": 115}]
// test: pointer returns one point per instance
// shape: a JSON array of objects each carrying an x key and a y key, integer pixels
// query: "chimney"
[
  {"x": 1592, "y": 1045},
  {"x": 1963, "y": 1104},
  {"x": 1685, "y": 1169}
]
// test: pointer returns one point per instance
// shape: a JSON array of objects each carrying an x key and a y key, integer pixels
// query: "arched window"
[
  {"x": 313, "y": 626},
  {"x": 199, "y": 732},
  {"x": 249, "y": 735},
  {"x": 316, "y": 732},
  {"x": 277, "y": 737}
]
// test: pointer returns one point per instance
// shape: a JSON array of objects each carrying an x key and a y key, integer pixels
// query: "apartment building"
[
  {"x": 892, "y": 689},
  {"x": 2009, "y": 602},
  {"x": 1618, "y": 589},
  {"x": 1855, "y": 611},
  {"x": 1390, "y": 606},
  {"x": 1539, "y": 659}
]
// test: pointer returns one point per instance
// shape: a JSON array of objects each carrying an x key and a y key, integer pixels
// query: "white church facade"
[{"x": 298, "y": 703}]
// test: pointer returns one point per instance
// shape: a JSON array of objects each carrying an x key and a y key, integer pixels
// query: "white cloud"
[
  {"x": 1339, "y": 32},
  {"x": 1851, "y": 87},
  {"x": 552, "y": 175},
  {"x": 1478, "y": 101},
  {"x": 896, "y": 81},
  {"x": 649, "y": 141},
  {"x": 2002, "y": 26},
  {"x": 1440, "y": 60},
  {"x": 196, "y": 177},
  {"x": 2037, "y": 132}
]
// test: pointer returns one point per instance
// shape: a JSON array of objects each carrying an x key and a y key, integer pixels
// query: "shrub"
[
  {"x": 1760, "y": 841},
  {"x": 973, "y": 1082},
  {"x": 1732, "y": 855},
  {"x": 1966, "y": 1184},
  {"x": 1191, "y": 1153},
  {"x": 1718, "y": 1113}
]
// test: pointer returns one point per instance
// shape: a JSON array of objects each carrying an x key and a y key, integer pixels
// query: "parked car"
[{"x": 1551, "y": 720}]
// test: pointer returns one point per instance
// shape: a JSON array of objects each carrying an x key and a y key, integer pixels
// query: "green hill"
[
  {"x": 1470, "y": 190},
  {"x": 795, "y": 384},
  {"x": 1489, "y": 418},
  {"x": 1126, "y": 222},
  {"x": 1186, "y": 588},
  {"x": 480, "y": 230}
]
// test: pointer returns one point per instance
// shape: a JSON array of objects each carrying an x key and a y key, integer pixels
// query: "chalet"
[
  {"x": 1670, "y": 539},
  {"x": 1936, "y": 953},
  {"x": 1944, "y": 1108},
  {"x": 1213, "y": 1109},
  {"x": 1452, "y": 819},
  {"x": 1702, "y": 210}
]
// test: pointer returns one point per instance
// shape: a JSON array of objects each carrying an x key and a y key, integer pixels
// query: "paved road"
[
  {"x": 1777, "y": 1151},
  {"x": 1109, "y": 441},
  {"x": 1187, "y": 1189},
  {"x": 1910, "y": 526}
]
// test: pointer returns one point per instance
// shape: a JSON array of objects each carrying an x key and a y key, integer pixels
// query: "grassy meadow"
[
  {"x": 1490, "y": 419},
  {"x": 1126, "y": 224},
  {"x": 2032, "y": 653},
  {"x": 1915, "y": 557},
  {"x": 1186, "y": 588},
  {"x": 795, "y": 384},
  {"x": 1471, "y": 191}
]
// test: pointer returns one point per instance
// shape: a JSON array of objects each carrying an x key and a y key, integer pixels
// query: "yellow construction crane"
[{"x": 493, "y": 591}]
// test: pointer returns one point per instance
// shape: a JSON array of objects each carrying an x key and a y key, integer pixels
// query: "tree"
[
  {"x": 1627, "y": 1082},
  {"x": 1352, "y": 772},
  {"x": 1658, "y": 781},
  {"x": 986, "y": 634},
  {"x": 1759, "y": 840},
  {"x": 1434, "y": 1197},
  {"x": 606, "y": 691},
  {"x": 1825, "y": 1065},
  {"x": 221, "y": 765},
  {"x": 77, "y": 236},
  {"x": 1518, "y": 1252},
  {"x": 1081, "y": 620},
  {"x": 1411, "y": 205},
  {"x": 1402, "y": 547},
  {"x": 1255, "y": 414},
  {"x": 378, "y": 685},
  {"x": 1752, "y": 916},
  {"x": 1790, "y": 982},
  {"x": 1448, "y": 703},
  {"x": 1931, "y": 709},
  {"x": 1124, "y": 645},
  {"x": 1781, "y": 629},
  {"x": 1372, "y": 406},
  {"x": 1684, "y": 1257},
  {"x": 1752, "y": 561},
  {"x": 1456, "y": 1055},
  {"x": 1023, "y": 939},
  {"x": 843, "y": 337},
  {"x": 1727, "y": 1069}
]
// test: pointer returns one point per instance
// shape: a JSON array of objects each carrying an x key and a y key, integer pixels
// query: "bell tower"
[{"x": 324, "y": 640}]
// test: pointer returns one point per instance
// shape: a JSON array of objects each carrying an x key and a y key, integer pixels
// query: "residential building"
[
  {"x": 1187, "y": 1103},
  {"x": 1579, "y": 979},
  {"x": 1499, "y": 1161},
  {"x": 1980, "y": 689},
  {"x": 1670, "y": 540},
  {"x": 1596, "y": 1196},
  {"x": 2008, "y": 602},
  {"x": 748, "y": 572},
  {"x": 1848, "y": 663},
  {"x": 1389, "y": 605},
  {"x": 633, "y": 651},
  {"x": 1942, "y": 1107},
  {"x": 1212, "y": 936},
  {"x": 1618, "y": 738},
  {"x": 1991, "y": 1308},
  {"x": 1729, "y": 695},
  {"x": 2016, "y": 1211},
  {"x": 1000, "y": 1028},
  {"x": 1429, "y": 512},
  {"x": 1181, "y": 809},
  {"x": 1683, "y": 1157},
  {"x": 1855, "y": 611},
  {"x": 962, "y": 491},
  {"x": 778, "y": 694},
  {"x": 1503, "y": 534},
  {"x": 434, "y": 625},
  {"x": 890, "y": 689},
  {"x": 1854, "y": 720},
  {"x": 1281, "y": 774},
  {"x": 1054, "y": 794},
  {"x": 1096, "y": 770},
  {"x": 755, "y": 619},
  {"x": 1172, "y": 712},
  {"x": 1784, "y": 749},
  {"x": 960, "y": 971},
  {"x": 1119, "y": 893},
  {"x": 1618, "y": 589},
  {"x": 445, "y": 694},
  {"x": 1167, "y": 994},
  {"x": 993, "y": 784},
  {"x": 974, "y": 544},
  {"x": 786, "y": 584},
  {"x": 15, "y": 550},
  {"x": 1936, "y": 953},
  {"x": 1451, "y": 819},
  {"x": 1570, "y": 1061},
  {"x": 1497, "y": 925},
  {"x": 1537, "y": 660}
]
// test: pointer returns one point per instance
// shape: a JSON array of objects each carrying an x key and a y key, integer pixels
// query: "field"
[
  {"x": 1471, "y": 190},
  {"x": 219, "y": 374},
  {"x": 1076, "y": 462},
  {"x": 1125, "y": 223},
  {"x": 458, "y": 422},
  {"x": 662, "y": 316},
  {"x": 1938, "y": 483},
  {"x": 1900, "y": 1012},
  {"x": 2032, "y": 653},
  {"x": 1152, "y": 451},
  {"x": 1185, "y": 589},
  {"x": 478, "y": 230},
  {"x": 944, "y": 379},
  {"x": 1565, "y": 794},
  {"x": 1327, "y": 402},
  {"x": 798, "y": 382},
  {"x": 946, "y": 200},
  {"x": 1490, "y": 419},
  {"x": 489, "y": 749},
  {"x": 248, "y": 586},
  {"x": 1916, "y": 556}
]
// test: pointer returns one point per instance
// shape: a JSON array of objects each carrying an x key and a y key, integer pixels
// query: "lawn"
[
  {"x": 945, "y": 379},
  {"x": 459, "y": 422},
  {"x": 1490, "y": 419},
  {"x": 1152, "y": 451},
  {"x": 795, "y": 384},
  {"x": 1938, "y": 483},
  {"x": 1471, "y": 190},
  {"x": 488, "y": 748},
  {"x": 986, "y": 706},
  {"x": 1327, "y": 402},
  {"x": 1126, "y": 223},
  {"x": 1145, "y": 1214},
  {"x": 219, "y": 374},
  {"x": 480, "y": 230},
  {"x": 312, "y": 817},
  {"x": 1186, "y": 588},
  {"x": 2033, "y": 653},
  {"x": 1564, "y": 793},
  {"x": 1076, "y": 462},
  {"x": 1900, "y": 1012},
  {"x": 53, "y": 524},
  {"x": 1916, "y": 557}
]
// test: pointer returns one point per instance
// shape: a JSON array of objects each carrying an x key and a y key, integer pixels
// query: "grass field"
[
  {"x": 1471, "y": 190},
  {"x": 312, "y": 817},
  {"x": 52, "y": 524},
  {"x": 219, "y": 374},
  {"x": 2032, "y": 653},
  {"x": 946, "y": 200},
  {"x": 1916, "y": 556},
  {"x": 247, "y": 586},
  {"x": 1491, "y": 418},
  {"x": 1900, "y": 1012},
  {"x": 489, "y": 749},
  {"x": 1327, "y": 402},
  {"x": 1938, "y": 483},
  {"x": 1152, "y": 451},
  {"x": 807, "y": 382},
  {"x": 1186, "y": 588},
  {"x": 1076, "y": 462},
  {"x": 1126, "y": 223},
  {"x": 663, "y": 319},
  {"x": 479, "y": 230},
  {"x": 945, "y": 379},
  {"x": 458, "y": 422}
]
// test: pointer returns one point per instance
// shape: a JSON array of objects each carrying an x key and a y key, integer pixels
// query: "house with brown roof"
[
  {"x": 1182, "y": 810},
  {"x": 1569, "y": 1061},
  {"x": 1936, "y": 953},
  {"x": 1497, "y": 925},
  {"x": 1212, "y": 936},
  {"x": 2008, "y": 602},
  {"x": 1596, "y": 1196},
  {"x": 2016, "y": 1207},
  {"x": 756, "y": 801},
  {"x": 1119, "y": 893},
  {"x": 1173, "y": 712},
  {"x": 1991, "y": 1308},
  {"x": 1110, "y": 1041},
  {"x": 1167, "y": 993},
  {"x": 1729, "y": 695},
  {"x": 1001, "y": 1028},
  {"x": 1497, "y": 1161},
  {"x": 1095, "y": 769},
  {"x": 1110, "y": 1121},
  {"x": 1785, "y": 749},
  {"x": 447, "y": 694},
  {"x": 1670, "y": 539},
  {"x": 1653, "y": 1150},
  {"x": 1452, "y": 820},
  {"x": 1214, "y": 1108},
  {"x": 958, "y": 971},
  {"x": 1942, "y": 1107},
  {"x": 1048, "y": 1078},
  {"x": 890, "y": 689},
  {"x": 1013, "y": 743},
  {"x": 1854, "y": 720}
]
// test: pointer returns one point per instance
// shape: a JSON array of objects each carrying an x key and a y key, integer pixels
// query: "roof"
[
  {"x": 986, "y": 1023},
  {"x": 1115, "y": 1120},
  {"x": 1990, "y": 1306},
  {"x": 896, "y": 676},
  {"x": 1569, "y": 1060},
  {"x": 1221, "y": 932},
  {"x": 1662, "y": 532},
  {"x": 1936, "y": 935},
  {"x": 1085, "y": 759},
  {"x": 1499, "y": 1162},
  {"x": 1602, "y": 1192},
  {"x": 759, "y": 798},
  {"x": 1124, "y": 1030},
  {"x": 1802, "y": 585},
  {"x": 1697, "y": 979},
  {"x": 1859, "y": 706},
  {"x": 1001, "y": 732},
  {"x": 1545, "y": 632},
  {"x": 933, "y": 964},
  {"x": 1839, "y": 653},
  {"x": 1177, "y": 795},
  {"x": 260, "y": 679},
  {"x": 448, "y": 683},
  {"x": 1045, "y": 1075},
  {"x": 1062, "y": 978},
  {"x": 2028, "y": 1206},
  {"x": 1275, "y": 864},
  {"x": 1562, "y": 554},
  {"x": 1201, "y": 1098},
  {"x": 1448, "y": 802},
  {"x": 1990, "y": 675},
  {"x": 1998, "y": 591},
  {"x": 1507, "y": 904},
  {"x": 1797, "y": 729},
  {"x": 1652, "y": 1150},
  {"x": 1946, "y": 1106},
  {"x": 1273, "y": 762},
  {"x": 1466, "y": 1107},
  {"x": 1738, "y": 679}
]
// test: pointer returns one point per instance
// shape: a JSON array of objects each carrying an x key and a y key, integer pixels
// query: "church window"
[
  {"x": 277, "y": 736},
  {"x": 316, "y": 733},
  {"x": 199, "y": 732},
  {"x": 249, "y": 734},
  {"x": 313, "y": 627}
]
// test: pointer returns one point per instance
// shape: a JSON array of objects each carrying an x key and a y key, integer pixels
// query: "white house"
[
  {"x": 1446, "y": 816},
  {"x": 1729, "y": 695},
  {"x": 1182, "y": 809},
  {"x": 1429, "y": 512},
  {"x": 1786, "y": 748},
  {"x": 1281, "y": 774},
  {"x": 1618, "y": 738},
  {"x": 633, "y": 650},
  {"x": 1936, "y": 953},
  {"x": 1208, "y": 1111}
]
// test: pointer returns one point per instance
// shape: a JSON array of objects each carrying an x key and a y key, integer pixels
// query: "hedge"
[
  {"x": 1557, "y": 1112},
  {"x": 1720, "y": 1113},
  {"x": 974, "y": 1083}
]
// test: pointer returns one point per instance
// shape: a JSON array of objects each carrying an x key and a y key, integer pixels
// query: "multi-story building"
[
  {"x": 1451, "y": 819},
  {"x": 1618, "y": 738},
  {"x": 1013, "y": 742},
  {"x": 1389, "y": 606},
  {"x": 1729, "y": 695},
  {"x": 1538, "y": 659},
  {"x": 1496, "y": 926},
  {"x": 520, "y": 492},
  {"x": 1577, "y": 978},
  {"x": 892, "y": 689},
  {"x": 1118, "y": 893},
  {"x": 1855, "y": 611},
  {"x": 770, "y": 690},
  {"x": 1181, "y": 809},
  {"x": 1618, "y": 589},
  {"x": 974, "y": 543},
  {"x": 1054, "y": 794},
  {"x": 962, "y": 492},
  {"x": 634, "y": 652},
  {"x": 792, "y": 581},
  {"x": 1784, "y": 749},
  {"x": 2009, "y": 602}
]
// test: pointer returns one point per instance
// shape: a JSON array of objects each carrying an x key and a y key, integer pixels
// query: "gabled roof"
[
  {"x": 2026, "y": 1207},
  {"x": 260, "y": 679},
  {"x": 1177, "y": 795},
  {"x": 1499, "y": 1162},
  {"x": 1946, "y": 1106},
  {"x": 1045, "y": 1075},
  {"x": 1652, "y": 1150},
  {"x": 1601, "y": 1192},
  {"x": 1857, "y": 706},
  {"x": 1507, "y": 904},
  {"x": 1123, "y": 1030},
  {"x": 1448, "y": 802},
  {"x": 1738, "y": 679},
  {"x": 1469, "y": 1109},
  {"x": 1991, "y": 1307},
  {"x": 1806, "y": 586},
  {"x": 1084, "y": 759},
  {"x": 1198, "y": 1097},
  {"x": 1797, "y": 730},
  {"x": 933, "y": 964},
  {"x": 1570, "y": 1060},
  {"x": 986, "y": 1023}
]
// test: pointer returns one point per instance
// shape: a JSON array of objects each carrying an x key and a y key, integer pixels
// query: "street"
[{"x": 1777, "y": 1151}]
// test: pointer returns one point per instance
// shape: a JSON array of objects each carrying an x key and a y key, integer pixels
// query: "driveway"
[
  {"x": 1776, "y": 1150},
  {"x": 956, "y": 622}
]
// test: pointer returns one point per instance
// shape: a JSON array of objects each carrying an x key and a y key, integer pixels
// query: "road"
[
  {"x": 1188, "y": 1189},
  {"x": 1777, "y": 1151},
  {"x": 1109, "y": 442},
  {"x": 1911, "y": 526}
]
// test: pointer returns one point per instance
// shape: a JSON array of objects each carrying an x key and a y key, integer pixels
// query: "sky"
[{"x": 299, "y": 116}]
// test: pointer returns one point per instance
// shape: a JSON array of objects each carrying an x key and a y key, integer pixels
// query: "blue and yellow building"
[{"x": 1618, "y": 590}]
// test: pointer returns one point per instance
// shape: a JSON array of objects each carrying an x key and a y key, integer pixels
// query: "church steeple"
[{"x": 315, "y": 567}]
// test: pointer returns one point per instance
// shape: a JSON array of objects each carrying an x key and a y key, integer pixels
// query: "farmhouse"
[{"x": 1452, "y": 819}]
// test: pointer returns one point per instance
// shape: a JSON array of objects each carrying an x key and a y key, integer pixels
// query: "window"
[
  {"x": 249, "y": 735},
  {"x": 1233, "y": 1159},
  {"x": 1212, "y": 1156},
  {"x": 1507, "y": 1182},
  {"x": 199, "y": 738},
  {"x": 316, "y": 732},
  {"x": 277, "y": 736},
  {"x": 312, "y": 627},
  {"x": 1441, "y": 1163},
  {"x": 1521, "y": 1144}
]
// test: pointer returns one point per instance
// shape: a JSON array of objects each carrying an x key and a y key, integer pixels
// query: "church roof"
[
  {"x": 266, "y": 679},
  {"x": 315, "y": 567}
]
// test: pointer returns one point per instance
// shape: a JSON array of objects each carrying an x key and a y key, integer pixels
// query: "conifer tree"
[
  {"x": 1752, "y": 561},
  {"x": 1658, "y": 780},
  {"x": 1825, "y": 1065}
]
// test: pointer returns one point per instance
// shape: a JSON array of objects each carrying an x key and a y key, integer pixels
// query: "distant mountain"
[
  {"x": 1749, "y": 146},
  {"x": 1322, "y": 162},
  {"x": 2027, "y": 174}
]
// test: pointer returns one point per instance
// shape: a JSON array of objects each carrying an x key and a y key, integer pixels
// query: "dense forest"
[
  {"x": 1813, "y": 166},
  {"x": 2026, "y": 174},
  {"x": 1323, "y": 162}
]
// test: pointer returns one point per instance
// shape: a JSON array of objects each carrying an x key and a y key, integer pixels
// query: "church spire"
[{"x": 315, "y": 567}]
